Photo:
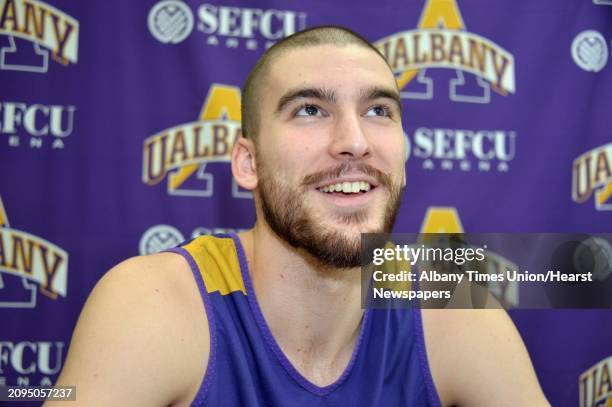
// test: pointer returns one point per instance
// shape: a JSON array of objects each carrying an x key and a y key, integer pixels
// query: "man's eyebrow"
[
  {"x": 313, "y": 93},
  {"x": 377, "y": 92}
]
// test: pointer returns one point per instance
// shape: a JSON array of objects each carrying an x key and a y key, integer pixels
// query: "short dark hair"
[{"x": 324, "y": 35}]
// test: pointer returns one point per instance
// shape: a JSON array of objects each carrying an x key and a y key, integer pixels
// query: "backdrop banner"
[{"x": 117, "y": 121}]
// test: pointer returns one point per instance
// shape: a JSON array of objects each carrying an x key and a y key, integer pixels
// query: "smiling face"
[{"x": 330, "y": 150}]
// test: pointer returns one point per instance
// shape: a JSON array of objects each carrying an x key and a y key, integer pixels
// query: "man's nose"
[{"x": 349, "y": 139}]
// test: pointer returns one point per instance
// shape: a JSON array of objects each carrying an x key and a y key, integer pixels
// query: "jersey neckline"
[{"x": 273, "y": 344}]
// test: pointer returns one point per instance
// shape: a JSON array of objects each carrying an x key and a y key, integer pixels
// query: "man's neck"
[{"x": 313, "y": 313}]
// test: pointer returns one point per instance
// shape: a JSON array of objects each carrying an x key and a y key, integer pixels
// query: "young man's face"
[{"x": 330, "y": 151}]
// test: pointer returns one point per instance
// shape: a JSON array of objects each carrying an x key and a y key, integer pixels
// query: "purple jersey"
[{"x": 248, "y": 368}]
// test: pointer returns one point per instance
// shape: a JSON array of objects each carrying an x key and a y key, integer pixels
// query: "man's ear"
[{"x": 243, "y": 163}]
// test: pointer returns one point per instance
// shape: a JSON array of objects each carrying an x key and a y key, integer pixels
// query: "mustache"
[{"x": 382, "y": 178}]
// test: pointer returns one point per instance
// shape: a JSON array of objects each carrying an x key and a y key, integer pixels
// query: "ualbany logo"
[
  {"x": 442, "y": 41},
  {"x": 596, "y": 385},
  {"x": 182, "y": 152},
  {"x": 42, "y": 25},
  {"x": 33, "y": 259},
  {"x": 592, "y": 172}
]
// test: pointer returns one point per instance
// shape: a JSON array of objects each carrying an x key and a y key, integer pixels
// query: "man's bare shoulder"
[
  {"x": 142, "y": 337},
  {"x": 477, "y": 358},
  {"x": 152, "y": 273}
]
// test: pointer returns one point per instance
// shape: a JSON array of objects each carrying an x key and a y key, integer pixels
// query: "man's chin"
[
  {"x": 349, "y": 235},
  {"x": 337, "y": 251}
]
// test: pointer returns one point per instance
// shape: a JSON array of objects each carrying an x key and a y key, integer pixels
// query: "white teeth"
[{"x": 347, "y": 187}]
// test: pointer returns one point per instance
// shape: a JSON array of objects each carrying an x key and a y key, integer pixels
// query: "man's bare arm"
[
  {"x": 478, "y": 359},
  {"x": 142, "y": 337}
]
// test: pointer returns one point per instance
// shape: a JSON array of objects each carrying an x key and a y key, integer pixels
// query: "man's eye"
[
  {"x": 309, "y": 110},
  {"x": 378, "y": 111}
]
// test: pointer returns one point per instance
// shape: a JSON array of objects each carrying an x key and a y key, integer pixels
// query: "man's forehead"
[{"x": 324, "y": 65}]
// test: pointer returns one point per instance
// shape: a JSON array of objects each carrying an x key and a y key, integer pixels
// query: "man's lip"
[{"x": 356, "y": 178}]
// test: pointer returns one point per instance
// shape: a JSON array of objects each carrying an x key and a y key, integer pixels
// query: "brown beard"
[{"x": 283, "y": 209}]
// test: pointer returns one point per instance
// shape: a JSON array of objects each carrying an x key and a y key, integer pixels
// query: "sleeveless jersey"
[{"x": 247, "y": 367}]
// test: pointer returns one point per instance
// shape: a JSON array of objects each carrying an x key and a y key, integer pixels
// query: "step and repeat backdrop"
[{"x": 117, "y": 120}]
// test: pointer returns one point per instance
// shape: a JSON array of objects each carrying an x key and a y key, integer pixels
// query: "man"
[{"x": 273, "y": 315}]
